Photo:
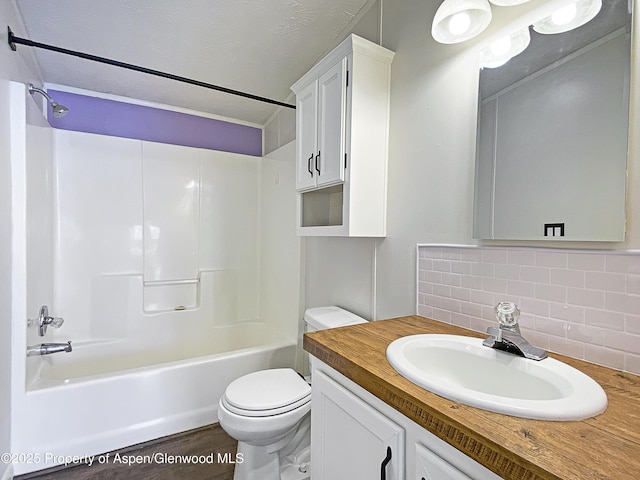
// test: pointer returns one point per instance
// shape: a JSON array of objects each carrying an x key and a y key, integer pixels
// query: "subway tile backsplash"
[{"x": 577, "y": 303}]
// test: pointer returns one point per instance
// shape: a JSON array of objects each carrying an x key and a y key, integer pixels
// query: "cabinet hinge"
[
  {"x": 347, "y": 78},
  {"x": 345, "y": 161}
]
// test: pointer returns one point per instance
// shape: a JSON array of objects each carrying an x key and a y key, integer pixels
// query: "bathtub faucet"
[{"x": 48, "y": 348}]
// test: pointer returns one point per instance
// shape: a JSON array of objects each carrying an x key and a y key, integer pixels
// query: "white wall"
[
  {"x": 18, "y": 67},
  {"x": 432, "y": 148},
  {"x": 431, "y": 167}
]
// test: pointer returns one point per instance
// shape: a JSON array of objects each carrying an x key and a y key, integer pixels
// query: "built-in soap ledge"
[{"x": 170, "y": 295}]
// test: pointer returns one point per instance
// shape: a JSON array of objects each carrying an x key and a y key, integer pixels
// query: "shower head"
[{"x": 59, "y": 111}]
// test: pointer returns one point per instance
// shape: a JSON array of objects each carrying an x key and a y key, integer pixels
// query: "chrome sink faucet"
[
  {"x": 48, "y": 348},
  {"x": 507, "y": 336}
]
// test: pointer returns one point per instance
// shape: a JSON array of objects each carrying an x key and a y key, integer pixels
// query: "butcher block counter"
[{"x": 603, "y": 447}]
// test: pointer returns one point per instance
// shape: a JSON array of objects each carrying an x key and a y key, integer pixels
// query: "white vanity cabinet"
[
  {"x": 342, "y": 112},
  {"x": 350, "y": 439},
  {"x": 351, "y": 431},
  {"x": 430, "y": 466}
]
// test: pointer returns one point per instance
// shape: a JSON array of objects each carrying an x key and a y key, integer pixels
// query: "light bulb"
[
  {"x": 459, "y": 23},
  {"x": 567, "y": 18},
  {"x": 456, "y": 21},
  {"x": 564, "y": 15}
]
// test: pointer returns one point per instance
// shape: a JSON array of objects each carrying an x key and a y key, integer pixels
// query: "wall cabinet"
[
  {"x": 356, "y": 435},
  {"x": 320, "y": 148},
  {"x": 342, "y": 112}
]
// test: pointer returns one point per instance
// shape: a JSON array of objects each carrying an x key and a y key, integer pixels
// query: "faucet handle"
[
  {"x": 44, "y": 320},
  {"x": 507, "y": 314},
  {"x": 56, "y": 322}
]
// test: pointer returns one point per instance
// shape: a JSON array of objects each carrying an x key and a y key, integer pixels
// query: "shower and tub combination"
[{"x": 144, "y": 267}]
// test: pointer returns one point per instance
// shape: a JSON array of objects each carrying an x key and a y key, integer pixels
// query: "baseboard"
[{"x": 8, "y": 473}]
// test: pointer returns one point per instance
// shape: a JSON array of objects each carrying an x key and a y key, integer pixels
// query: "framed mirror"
[{"x": 552, "y": 135}]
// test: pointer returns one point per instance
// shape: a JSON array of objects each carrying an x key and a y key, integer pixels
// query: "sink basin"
[{"x": 462, "y": 369}]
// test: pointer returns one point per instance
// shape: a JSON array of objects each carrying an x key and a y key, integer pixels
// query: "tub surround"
[
  {"x": 177, "y": 213},
  {"x": 606, "y": 446}
]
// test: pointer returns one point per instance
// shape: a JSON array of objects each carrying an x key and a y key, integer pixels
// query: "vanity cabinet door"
[
  {"x": 349, "y": 438},
  {"x": 430, "y": 466}
]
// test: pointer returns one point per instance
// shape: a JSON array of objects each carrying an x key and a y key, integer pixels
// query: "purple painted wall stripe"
[{"x": 119, "y": 119}]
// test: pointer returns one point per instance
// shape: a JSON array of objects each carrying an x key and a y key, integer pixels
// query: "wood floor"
[{"x": 213, "y": 447}]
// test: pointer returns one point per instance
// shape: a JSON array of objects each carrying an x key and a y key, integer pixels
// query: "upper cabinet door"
[
  {"x": 331, "y": 124},
  {"x": 306, "y": 136}
]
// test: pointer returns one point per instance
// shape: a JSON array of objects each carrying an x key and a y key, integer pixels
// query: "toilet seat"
[{"x": 266, "y": 393}]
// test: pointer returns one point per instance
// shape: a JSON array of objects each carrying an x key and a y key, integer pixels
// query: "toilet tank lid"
[{"x": 330, "y": 317}]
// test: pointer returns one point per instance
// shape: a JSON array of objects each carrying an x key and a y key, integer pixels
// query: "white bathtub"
[{"x": 100, "y": 397}]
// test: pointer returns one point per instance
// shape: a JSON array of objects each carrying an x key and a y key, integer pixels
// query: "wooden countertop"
[{"x": 603, "y": 447}]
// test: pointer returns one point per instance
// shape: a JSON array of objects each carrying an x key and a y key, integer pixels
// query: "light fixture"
[
  {"x": 504, "y": 49},
  {"x": 59, "y": 111},
  {"x": 459, "y": 20},
  {"x": 572, "y": 15},
  {"x": 507, "y": 3}
]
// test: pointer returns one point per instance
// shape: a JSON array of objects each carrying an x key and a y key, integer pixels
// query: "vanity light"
[
  {"x": 459, "y": 20},
  {"x": 567, "y": 18},
  {"x": 505, "y": 48}
]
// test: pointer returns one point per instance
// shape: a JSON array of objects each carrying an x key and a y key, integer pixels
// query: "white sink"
[{"x": 462, "y": 369}]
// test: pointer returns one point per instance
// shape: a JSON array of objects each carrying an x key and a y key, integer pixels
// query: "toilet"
[{"x": 269, "y": 413}]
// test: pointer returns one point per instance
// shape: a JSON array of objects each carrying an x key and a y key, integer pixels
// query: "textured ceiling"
[{"x": 257, "y": 46}]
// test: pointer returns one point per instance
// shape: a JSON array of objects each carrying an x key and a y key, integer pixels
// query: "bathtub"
[{"x": 103, "y": 396}]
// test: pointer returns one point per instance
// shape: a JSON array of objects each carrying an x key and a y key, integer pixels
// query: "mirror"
[{"x": 552, "y": 136}]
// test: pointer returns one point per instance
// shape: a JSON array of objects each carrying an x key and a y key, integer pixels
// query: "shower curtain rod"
[{"x": 13, "y": 40}]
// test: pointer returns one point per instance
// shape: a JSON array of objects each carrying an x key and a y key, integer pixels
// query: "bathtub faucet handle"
[
  {"x": 56, "y": 322},
  {"x": 44, "y": 320}
]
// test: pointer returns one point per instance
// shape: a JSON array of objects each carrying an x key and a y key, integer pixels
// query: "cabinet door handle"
[
  {"x": 309, "y": 165},
  {"x": 383, "y": 465},
  {"x": 318, "y": 163}
]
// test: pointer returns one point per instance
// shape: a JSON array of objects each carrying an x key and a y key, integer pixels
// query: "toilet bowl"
[
  {"x": 265, "y": 411},
  {"x": 268, "y": 412}
]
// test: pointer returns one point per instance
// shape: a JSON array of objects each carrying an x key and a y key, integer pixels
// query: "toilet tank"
[{"x": 322, "y": 318}]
